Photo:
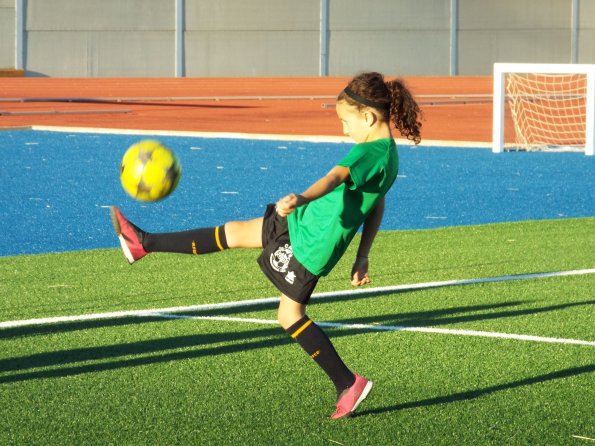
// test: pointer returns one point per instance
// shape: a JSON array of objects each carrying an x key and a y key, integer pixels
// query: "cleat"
[
  {"x": 352, "y": 397},
  {"x": 129, "y": 235}
]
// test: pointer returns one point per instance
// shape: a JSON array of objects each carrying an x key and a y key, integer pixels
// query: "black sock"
[
  {"x": 316, "y": 343},
  {"x": 195, "y": 241}
]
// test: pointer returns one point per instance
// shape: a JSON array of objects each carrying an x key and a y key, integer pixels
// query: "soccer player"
[{"x": 304, "y": 235}]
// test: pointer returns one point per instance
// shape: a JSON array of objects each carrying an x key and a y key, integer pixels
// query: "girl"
[{"x": 304, "y": 235}]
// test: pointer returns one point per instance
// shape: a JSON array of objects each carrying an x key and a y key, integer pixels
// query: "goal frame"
[{"x": 500, "y": 71}]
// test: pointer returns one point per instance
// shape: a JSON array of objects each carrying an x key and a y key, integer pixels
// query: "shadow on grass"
[
  {"x": 101, "y": 358},
  {"x": 86, "y": 360},
  {"x": 473, "y": 394},
  {"x": 139, "y": 353}
]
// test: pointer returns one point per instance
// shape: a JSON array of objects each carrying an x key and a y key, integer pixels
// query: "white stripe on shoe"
[
  {"x": 126, "y": 249},
  {"x": 363, "y": 396}
]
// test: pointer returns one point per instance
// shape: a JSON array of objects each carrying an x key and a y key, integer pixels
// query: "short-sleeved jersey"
[{"x": 321, "y": 230}]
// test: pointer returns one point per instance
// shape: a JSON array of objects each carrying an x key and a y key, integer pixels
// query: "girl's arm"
[
  {"x": 336, "y": 176},
  {"x": 359, "y": 272}
]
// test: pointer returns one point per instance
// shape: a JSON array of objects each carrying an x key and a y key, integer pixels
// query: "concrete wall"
[
  {"x": 100, "y": 38},
  {"x": 513, "y": 31},
  {"x": 7, "y": 36},
  {"x": 88, "y": 38},
  {"x": 405, "y": 37},
  {"x": 252, "y": 38},
  {"x": 586, "y": 40}
]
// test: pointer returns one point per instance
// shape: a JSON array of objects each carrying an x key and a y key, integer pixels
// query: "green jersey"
[{"x": 321, "y": 230}]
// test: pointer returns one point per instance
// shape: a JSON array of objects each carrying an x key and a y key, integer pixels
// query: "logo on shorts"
[
  {"x": 290, "y": 277},
  {"x": 281, "y": 257}
]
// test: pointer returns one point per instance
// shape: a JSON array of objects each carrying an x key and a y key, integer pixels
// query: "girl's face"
[{"x": 356, "y": 123}]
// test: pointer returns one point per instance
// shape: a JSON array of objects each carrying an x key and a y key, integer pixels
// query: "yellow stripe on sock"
[
  {"x": 217, "y": 239},
  {"x": 302, "y": 328}
]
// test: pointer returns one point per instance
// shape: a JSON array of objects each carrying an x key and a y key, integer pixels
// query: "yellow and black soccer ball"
[{"x": 149, "y": 171}]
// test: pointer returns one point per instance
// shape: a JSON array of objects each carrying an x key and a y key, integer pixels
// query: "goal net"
[{"x": 551, "y": 106}]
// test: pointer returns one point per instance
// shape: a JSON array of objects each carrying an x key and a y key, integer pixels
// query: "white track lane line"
[{"x": 170, "y": 312}]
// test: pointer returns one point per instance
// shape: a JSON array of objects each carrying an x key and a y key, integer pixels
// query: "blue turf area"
[{"x": 56, "y": 187}]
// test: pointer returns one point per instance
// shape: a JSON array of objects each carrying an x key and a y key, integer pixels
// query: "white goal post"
[{"x": 554, "y": 105}]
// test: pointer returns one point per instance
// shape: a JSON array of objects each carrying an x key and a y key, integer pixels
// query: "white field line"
[
  {"x": 170, "y": 312},
  {"x": 368, "y": 327}
]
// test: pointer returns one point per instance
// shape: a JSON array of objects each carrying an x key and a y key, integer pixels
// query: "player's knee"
[
  {"x": 281, "y": 318},
  {"x": 288, "y": 316},
  {"x": 285, "y": 321},
  {"x": 233, "y": 233}
]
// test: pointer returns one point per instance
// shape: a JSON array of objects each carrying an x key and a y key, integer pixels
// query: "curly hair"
[{"x": 393, "y": 99}]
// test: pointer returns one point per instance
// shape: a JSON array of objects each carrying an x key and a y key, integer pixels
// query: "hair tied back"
[{"x": 357, "y": 98}]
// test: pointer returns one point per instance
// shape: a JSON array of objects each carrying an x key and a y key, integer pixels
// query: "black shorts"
[{"x": 278, "y": 263}]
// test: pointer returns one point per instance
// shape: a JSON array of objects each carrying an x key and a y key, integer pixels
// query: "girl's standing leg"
[
  {"x": 352, "y": 389},
  {"x": 292, "y": 317}
]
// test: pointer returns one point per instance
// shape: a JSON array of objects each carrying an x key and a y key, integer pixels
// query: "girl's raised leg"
[{"x": 137, "y": 243}]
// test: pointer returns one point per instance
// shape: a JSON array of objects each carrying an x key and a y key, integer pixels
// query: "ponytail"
[
  {"x": 393, "y": 99},
  {"x": 404, "y": 111}
]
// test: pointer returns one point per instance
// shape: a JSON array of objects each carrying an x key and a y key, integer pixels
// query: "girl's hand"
[
  {"x": 359, "y": 272},
  {"x": 287, "y": 205}
]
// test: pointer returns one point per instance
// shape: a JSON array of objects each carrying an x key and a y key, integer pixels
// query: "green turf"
[{"x": 146, "y": 380}]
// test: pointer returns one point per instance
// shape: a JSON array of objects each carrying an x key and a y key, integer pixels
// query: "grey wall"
[
  {"x": 100, "y": 38},
  {"x": 252, "y": 38},
  {"x": 586, "y": 40},
  {"x": 407, "y": 36},
  {"x": 89, "y": 38},
  {"x": 521, "y": 31},
  {"x": 7, "y": 33}
]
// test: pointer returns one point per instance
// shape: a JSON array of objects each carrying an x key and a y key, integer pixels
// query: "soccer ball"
[{"x": 149, "y": 171}]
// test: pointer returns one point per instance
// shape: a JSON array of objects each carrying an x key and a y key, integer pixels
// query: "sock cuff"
[
  {"x": 296, "y": 329},
  {"x": 220, "y": 238}
]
